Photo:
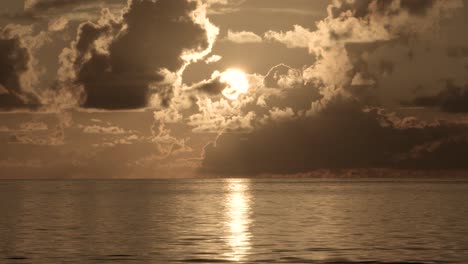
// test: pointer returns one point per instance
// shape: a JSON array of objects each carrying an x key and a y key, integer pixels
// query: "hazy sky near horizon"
[{"x": 146, "y": 88}]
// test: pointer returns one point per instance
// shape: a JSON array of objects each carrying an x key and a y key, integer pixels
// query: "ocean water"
[{"x": 234, "y": 221}]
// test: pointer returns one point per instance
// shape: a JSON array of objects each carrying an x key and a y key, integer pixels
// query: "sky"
[{"x": 232, "y": 88}]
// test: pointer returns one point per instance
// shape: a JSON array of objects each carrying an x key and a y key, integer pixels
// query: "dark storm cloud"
[
  {"x": 452, "y": 99},
  {"x": 342, "y": 136},
  {"x": 151, "y": 36},
  {"x": 14, "y": 63}
]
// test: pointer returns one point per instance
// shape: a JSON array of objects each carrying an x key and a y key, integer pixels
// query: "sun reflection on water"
[{"x": 237, "y": 218}]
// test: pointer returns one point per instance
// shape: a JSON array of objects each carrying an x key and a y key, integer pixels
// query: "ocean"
[{"x": 234, "y": 221}]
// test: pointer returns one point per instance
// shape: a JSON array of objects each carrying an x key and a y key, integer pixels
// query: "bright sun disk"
[{"x": 237, "y": 83}]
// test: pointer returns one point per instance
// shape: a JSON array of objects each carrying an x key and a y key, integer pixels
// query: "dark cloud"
[
  {"x": 342, "y": 136},
  {"x": 452, "y": 99},
  {"x": 358, "y": 8},
  {"x": 211, "y": 87},
  {"x": 293, "y": 90},
  {"x": 330, "y": 110},
  {"x": 363, "y": 8},
  {"x": 41, "y": 11},
  {"x": 151, "y": 36},
  {"x": 21, "y": 16},
  {"x": 406, "y": 72},
  {"x": 14, "y": 62},
  {"x": 418, "y": 7},
  {"x": 448, "y": 154},
  {"x": 45, "y": 5},
  {"x": 457, "y": 52}
]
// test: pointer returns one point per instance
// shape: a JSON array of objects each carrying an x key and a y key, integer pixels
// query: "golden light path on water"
[{"x": 238, "y": 218}]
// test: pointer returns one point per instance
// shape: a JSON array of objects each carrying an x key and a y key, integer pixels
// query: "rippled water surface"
[{"x": 238, "y": 221}]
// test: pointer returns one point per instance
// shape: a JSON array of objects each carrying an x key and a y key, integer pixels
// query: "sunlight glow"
[
  {"x": 237, "y": 204},
  {"x": 237, "y": 83}
]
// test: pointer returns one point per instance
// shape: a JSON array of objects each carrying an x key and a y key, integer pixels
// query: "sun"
[{"x": 237, "y": 83}]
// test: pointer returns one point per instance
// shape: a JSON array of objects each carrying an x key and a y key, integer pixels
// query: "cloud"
[
  {"x": 26, "y": 127},
  {"x": 367, "y": 49},
  {"x": 118, "y": 141},
  {"x": 299, "y": 37},
  {"x": 167, "y": 115},
  {"x": 447, "y": 153},
  {"x": 215, "y": 86},
  {"x": 341, "y": 136},
  {"x": 283, "y": 89},
  {"x": 96, "y": 129},
  {"x": 121, "y": 62},
  {"x": 43, "y": 5},
  {"x": 33, "y": 126},
  {"x": 452, "y": 99},
  {"x": 277, "y": 114},
  {"x": 318, "y": 117},
  {"x": 220, "y": 116},
  {"x": 223, "y": 6},
  {"x": 385, "y": 68},
  {"x": 9, "y": 163},
  {"x": 18, "y": 73},
  {"x": 35, "y": 133},
  {"x": 367, "y": 59},
  {"x": 284, "y": 77},
  {"x": 58, "y": 24},
  {"x": 364, "y": 8},
  {"x": 242, "y": 37},
  {"x": 213, "y": 59},
  {"x": 289, "y": 89},
  {"x": 167, "y": 144},
  {"x": 71, "y": 9},
  {"x": 49, "y": 11},
  {"x": 211, "y": 87}
]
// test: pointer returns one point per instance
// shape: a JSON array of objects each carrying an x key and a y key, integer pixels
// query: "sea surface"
[{"x": 234, "y": 221}]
